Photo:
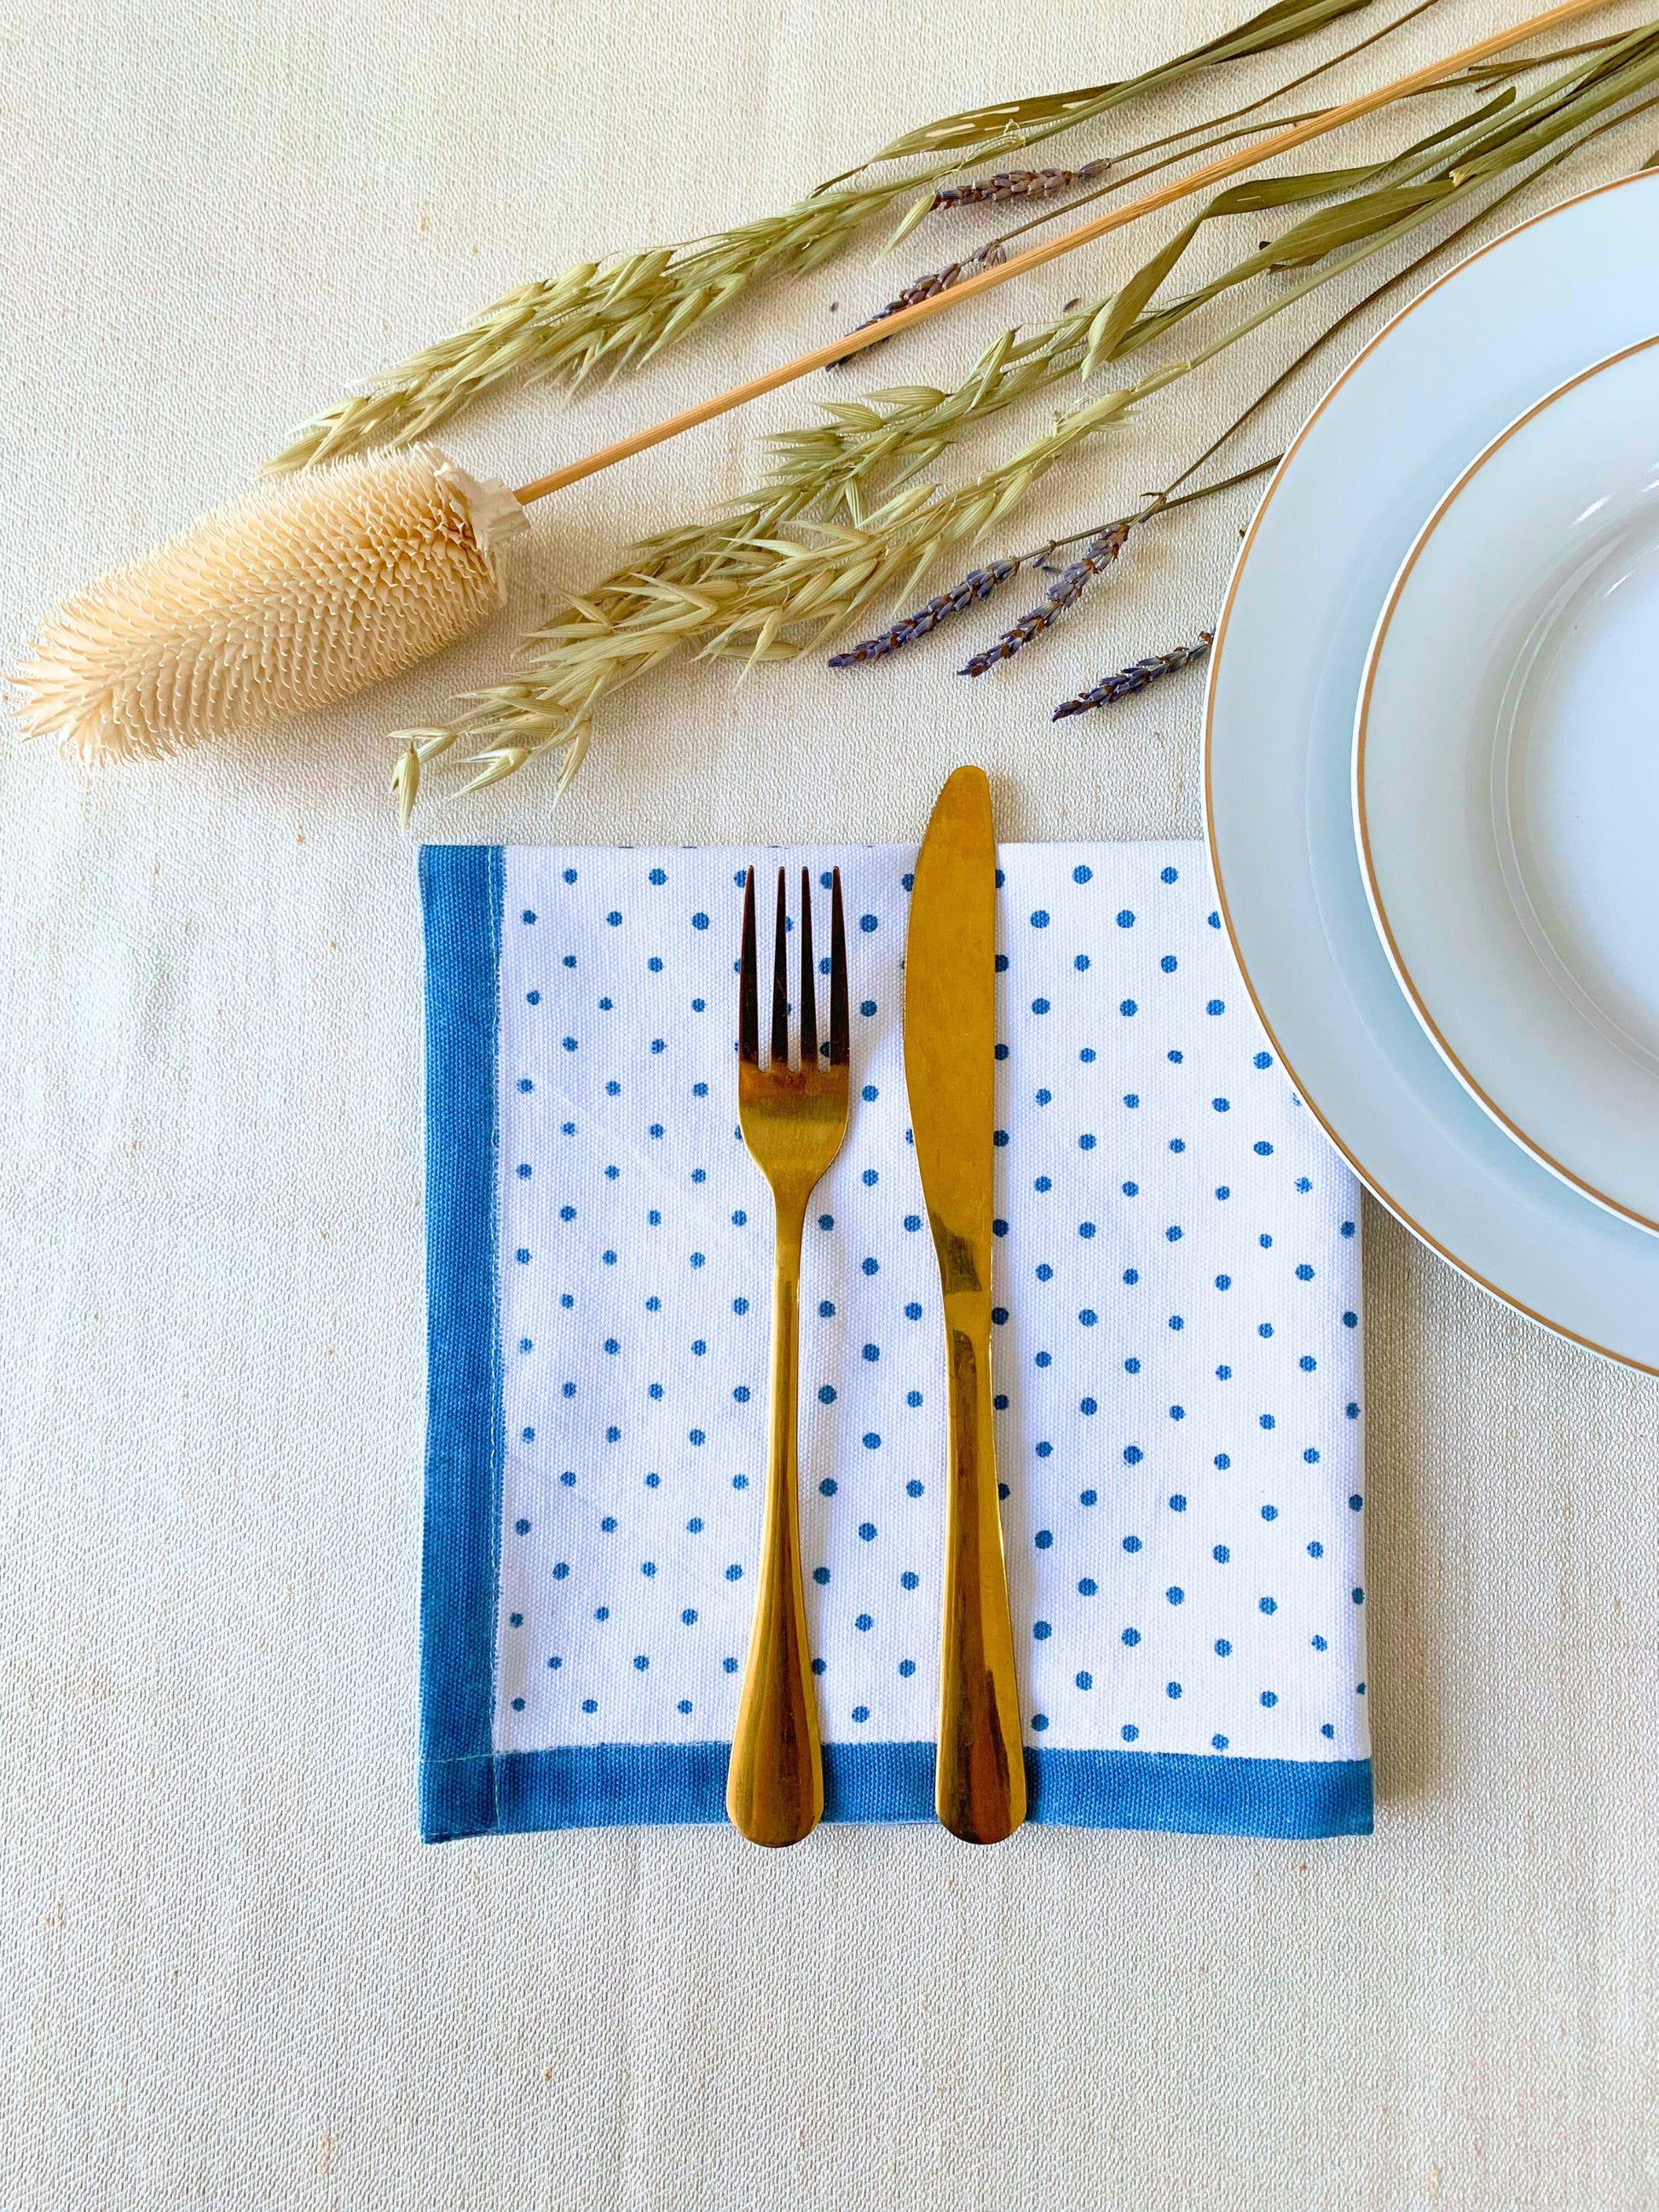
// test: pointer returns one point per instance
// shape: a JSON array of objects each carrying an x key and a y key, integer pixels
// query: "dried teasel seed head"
[{"x": 288, "y": 598}]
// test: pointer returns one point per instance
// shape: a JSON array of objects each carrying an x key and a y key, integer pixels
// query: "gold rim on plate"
[
  {"x": 1401, "y": 1213},
  {"x": 1362, "y": 726}
]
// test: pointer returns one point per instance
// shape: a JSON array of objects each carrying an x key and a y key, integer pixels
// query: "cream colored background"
[{"x": 232, "y": 1976}]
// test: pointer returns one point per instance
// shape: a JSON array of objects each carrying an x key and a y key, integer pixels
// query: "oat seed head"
[
  {"x": 599, "y": 319},
  {"x": 842, "y": 517},
  {"x": 295, "y": 596}
]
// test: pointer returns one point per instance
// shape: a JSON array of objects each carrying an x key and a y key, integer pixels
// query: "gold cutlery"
[
  {"x": 793, "y": 1120},
  {"x": 950, "y": 1033}
]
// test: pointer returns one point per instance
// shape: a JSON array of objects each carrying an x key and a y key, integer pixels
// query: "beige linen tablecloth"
[{"x": 233, "y": 1978}]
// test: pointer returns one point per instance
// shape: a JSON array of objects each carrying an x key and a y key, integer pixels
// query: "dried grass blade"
[
  {"x": 817, "y": 586},
  {"x": 1122, "y": 312},
  {"x": 1046, "y": 113}
]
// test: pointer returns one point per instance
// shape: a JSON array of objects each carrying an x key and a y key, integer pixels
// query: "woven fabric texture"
[{"x": 233, "y": 1978}]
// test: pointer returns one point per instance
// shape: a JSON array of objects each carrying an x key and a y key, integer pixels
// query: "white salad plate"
[
  {"x": 1425, "y": 398},
  {"x": 1506, "y": 781}
]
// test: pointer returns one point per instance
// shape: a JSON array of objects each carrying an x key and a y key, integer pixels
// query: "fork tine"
[
  {"x": 748, "y": 984},
  {"x": 839, "y": 1053},
  {"x": 809, "y": 1004},
  {"x": 780, "y": 983}
]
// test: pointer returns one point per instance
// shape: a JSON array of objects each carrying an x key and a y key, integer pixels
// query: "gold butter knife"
[{"x": 949, "y": 1035}]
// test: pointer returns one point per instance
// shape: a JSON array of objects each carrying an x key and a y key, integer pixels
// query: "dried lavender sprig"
[
  {"x": 1070, "y": 585},
  {"x": 1124, "y": 175},
  {"x": 1016, "y": 184},
  {"x": 925, "y": 288},
  {"x": 751, "y": 595},
  {"x": 1119, "y": 176},
  {"x": 1632, "y": 68},
  {"x": 978, "y": 584},
  {"x": 1128, "y": 681}
]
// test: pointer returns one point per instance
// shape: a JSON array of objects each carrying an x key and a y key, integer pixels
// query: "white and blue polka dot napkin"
[{"x": 1176, "y": 1350}]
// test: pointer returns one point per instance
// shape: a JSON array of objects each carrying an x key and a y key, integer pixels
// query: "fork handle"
[
  {"x": 980, "y": 1788},
  {"x": 774, "y": 1784}
]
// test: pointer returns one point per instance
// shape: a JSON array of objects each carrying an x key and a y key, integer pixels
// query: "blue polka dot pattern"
[{"x": 1177, "y": 1348}]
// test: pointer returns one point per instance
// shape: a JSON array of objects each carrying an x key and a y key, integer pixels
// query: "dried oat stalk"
[
  {"x": 598, "y": 317},
  {"x": 744, "y": 585},
  {"x": 760, "y": 600},
  {"x": 611, "y": 314}
]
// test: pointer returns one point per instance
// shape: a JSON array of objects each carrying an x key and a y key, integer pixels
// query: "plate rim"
[
  {"x": 1362, "y": 825},
  {"x": 1402, "y": 1212}
]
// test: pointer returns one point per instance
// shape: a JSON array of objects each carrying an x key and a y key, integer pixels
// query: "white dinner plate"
[
  {"x": 1424, "y": 397},
  {"x": 1506, "y": 781}
]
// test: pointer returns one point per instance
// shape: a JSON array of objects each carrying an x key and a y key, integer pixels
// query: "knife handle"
[
  {"x": 979, "y": 1786},
  {"x": 775, "y": 1782}
]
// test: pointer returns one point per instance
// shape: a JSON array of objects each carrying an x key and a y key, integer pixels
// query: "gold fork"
[{"x": 794, "y": 1120}]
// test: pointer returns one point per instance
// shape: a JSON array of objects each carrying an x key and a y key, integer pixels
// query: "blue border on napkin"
[
  {"x": 469, "y": 1789},
  {"x": 461, "y": 893}
]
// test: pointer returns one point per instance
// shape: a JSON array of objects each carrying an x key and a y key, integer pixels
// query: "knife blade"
[{"x": 949, "y": 1036}]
